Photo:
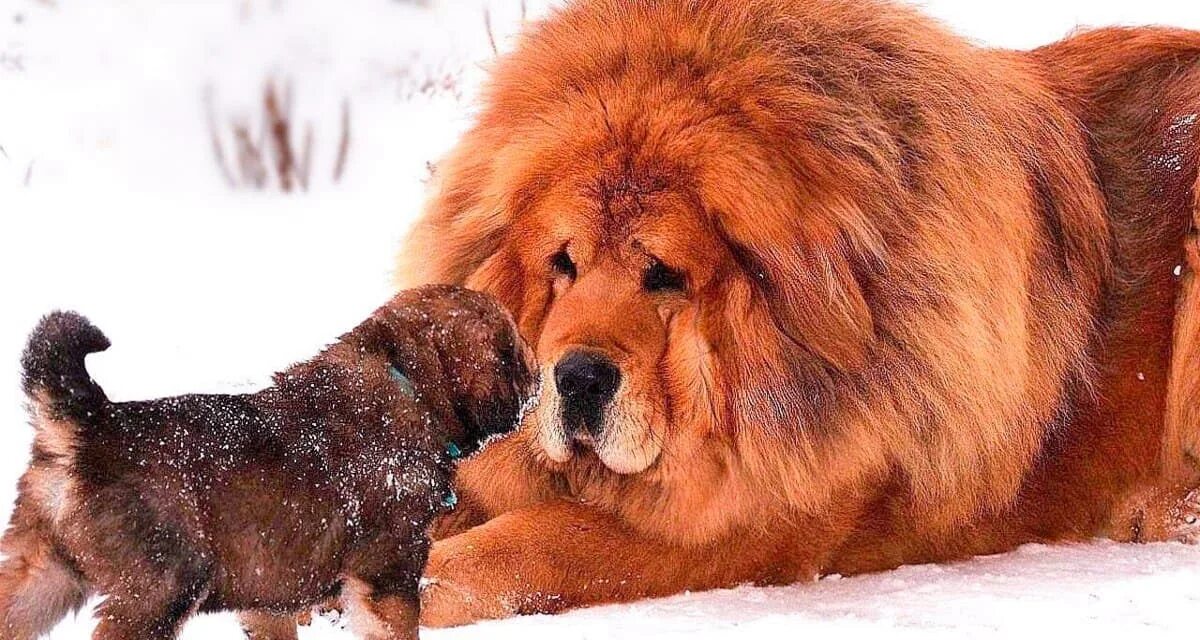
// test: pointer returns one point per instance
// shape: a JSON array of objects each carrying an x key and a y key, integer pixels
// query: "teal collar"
[
  {"x": 406, "y": 385},
  {"x": 452, "y": 449},
  {"x": 407, "y": 388},
  {"x": 451, "y": 498}
]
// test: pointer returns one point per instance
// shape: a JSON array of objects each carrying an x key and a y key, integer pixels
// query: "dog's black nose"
[{"x": 586, "y": 382}]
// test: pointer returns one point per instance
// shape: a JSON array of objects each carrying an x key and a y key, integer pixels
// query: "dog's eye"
[
  {"x": 563, "y": 265},
  {"x": 660, "y": 278}
]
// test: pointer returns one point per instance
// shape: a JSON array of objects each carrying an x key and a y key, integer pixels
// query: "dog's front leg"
[
  {"x": 503, "y": 477},
  {"x": 383, "y": 603},
  {"x": 559, "y": 555}
]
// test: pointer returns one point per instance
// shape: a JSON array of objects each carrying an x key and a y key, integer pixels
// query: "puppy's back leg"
[
  {"x": 155, "y": 606},
  {"x": 37, "y": 587}
]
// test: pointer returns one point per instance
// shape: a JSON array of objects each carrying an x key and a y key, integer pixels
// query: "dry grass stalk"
[
  {"x": 250, "y": 157},
  {"x": 278, "y": 119},
  {"x": 491, "y": 32},
  {"x": 491, "y": 35},
  {"x": 304, "y": 169},
  {"x": 270, "y": 154},
  {"x": 339, "y": 166},
  {"x": 419, "y": 78}
]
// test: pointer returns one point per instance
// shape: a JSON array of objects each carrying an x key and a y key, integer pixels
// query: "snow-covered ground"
[{"x": 111, "y": 203}]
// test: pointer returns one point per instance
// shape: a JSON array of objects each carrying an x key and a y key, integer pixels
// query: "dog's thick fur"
[
  {"x": 266, "y": 503},
  {"x": 931, "y": 300},
  {"x": 928, "y": 304},
  {"x": 927, "y": 295}
]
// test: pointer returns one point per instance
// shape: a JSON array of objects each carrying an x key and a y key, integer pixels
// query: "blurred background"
[
  {"x": 222, "y": 186},
  {"x": 168, "y": 96}
]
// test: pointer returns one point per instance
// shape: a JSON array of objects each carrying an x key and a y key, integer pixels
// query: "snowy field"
[{"x": 112, "y": 203}]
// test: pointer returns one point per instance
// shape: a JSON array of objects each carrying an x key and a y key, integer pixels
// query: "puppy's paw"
[{"x": 259, "y": 625}]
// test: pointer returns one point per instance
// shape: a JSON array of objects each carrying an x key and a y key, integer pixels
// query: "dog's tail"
[{"x": 54, "y": 374}]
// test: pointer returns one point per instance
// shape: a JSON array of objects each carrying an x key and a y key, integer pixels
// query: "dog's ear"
[
  {"x": 814, "y": 299},
  {"x": 376, "y": 337},
  {"x": 805, "y": 270},
  {"x": 806, "y": 245},
  {"x": 460, "y": 237},
  {"x": 463, "y": 222}
]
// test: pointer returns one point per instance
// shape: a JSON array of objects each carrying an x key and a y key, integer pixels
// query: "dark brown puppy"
[{"x": 269, "y": 502}]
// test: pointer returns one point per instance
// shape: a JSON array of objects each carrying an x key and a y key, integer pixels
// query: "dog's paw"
[
  {"x": 1185, "y": 519},
  {"x": 450, "y": 604},
  {"x": 460, "y": 588}
]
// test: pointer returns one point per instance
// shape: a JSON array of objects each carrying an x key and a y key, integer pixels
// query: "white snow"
[{"x": 111, "y": 204}]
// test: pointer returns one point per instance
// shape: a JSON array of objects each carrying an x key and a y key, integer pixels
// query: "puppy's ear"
[
  {"x": 399, "y": 342},
  {"x": 374, "y": 336}
]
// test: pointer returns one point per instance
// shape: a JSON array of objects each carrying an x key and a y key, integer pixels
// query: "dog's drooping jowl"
[{"x": 321, "y": 485}]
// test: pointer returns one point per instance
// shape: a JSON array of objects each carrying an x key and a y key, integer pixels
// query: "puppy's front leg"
[
  {"x": 267, "y": 626},
  {"x": 384, "y": 607},
  {"x": 560, "y": 555}
]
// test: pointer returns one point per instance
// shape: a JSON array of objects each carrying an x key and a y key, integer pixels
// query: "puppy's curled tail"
[{"x": 54, "y": 375}]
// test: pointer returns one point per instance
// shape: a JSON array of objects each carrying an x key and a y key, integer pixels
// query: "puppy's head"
[{"x": 458, "y": 352}]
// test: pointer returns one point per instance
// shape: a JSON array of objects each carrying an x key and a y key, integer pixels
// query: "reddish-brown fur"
[
  {"x": 954, "y": 268},
  {"x": 268, "y": 502},
  {"x": 929, "y": 304}
]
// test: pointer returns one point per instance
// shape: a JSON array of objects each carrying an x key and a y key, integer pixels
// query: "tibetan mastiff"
[{"x": 818, "y": 287}]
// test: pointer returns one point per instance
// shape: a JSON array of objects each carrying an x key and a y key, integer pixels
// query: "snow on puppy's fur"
[{"x": 264, "y": 503}]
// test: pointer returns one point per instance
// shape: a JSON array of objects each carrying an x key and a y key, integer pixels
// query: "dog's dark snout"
[
  {"x": 587, "y": 377},
  {"x": 586, "y": 382}
]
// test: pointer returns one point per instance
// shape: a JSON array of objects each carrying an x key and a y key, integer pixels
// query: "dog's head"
[
  {"x": 679, "y": 270},
  {"x": 459, "y": 353},
  {"x": 736, "y": 235},
  {"x": 660, "y": 322}
]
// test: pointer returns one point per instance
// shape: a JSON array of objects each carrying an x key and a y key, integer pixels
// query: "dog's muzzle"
[{"x": 586, "y": 382}]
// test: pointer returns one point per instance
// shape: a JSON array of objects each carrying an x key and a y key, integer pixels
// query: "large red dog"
[{"x": 819, "y": 287}]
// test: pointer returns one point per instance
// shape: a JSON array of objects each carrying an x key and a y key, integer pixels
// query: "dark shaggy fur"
[{"x": 266, "y": 503}]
